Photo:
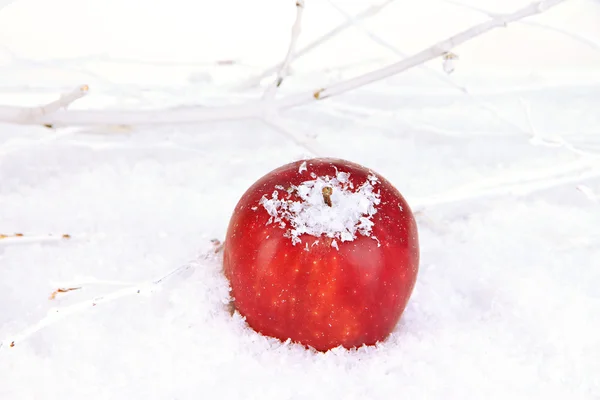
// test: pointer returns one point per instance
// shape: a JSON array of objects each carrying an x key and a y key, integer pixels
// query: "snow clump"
[{"x": 351, "y": 211}]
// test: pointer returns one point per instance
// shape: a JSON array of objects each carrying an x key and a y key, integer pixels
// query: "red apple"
[{"x": 324, "y": 252}]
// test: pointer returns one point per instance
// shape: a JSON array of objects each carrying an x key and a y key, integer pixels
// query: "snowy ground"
[{"x": 507, "y": 301}]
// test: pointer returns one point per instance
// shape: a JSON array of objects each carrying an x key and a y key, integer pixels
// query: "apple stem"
[{"x": 327, "y": 195}]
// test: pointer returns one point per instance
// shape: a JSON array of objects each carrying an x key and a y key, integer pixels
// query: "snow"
[
  {"x": 507, "y": 300},
  {"x": 350, "y": 212},
  {"x": 302, "y": 167}
]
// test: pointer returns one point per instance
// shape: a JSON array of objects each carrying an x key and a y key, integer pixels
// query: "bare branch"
[
  {"x": 589, "y": 193},
  {"x": 369, "y": 12},
  {"x": 438, "y": 49},
  {"x": 515, "y": 184},
  {"x": 572, "y": 35},
  {"x": 283, "y": 70},
  {"x": 32, "y": 115},
  {"x": 303, "y": 141},
  {"x": 442, "y": 77},
  {"x": 143, "y": 288},
  {"x": 256, "y": 109},
  {"x": 20, "y": 238}
]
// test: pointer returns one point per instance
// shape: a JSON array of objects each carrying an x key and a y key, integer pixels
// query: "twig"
[
  {"x": 442, "y": 77},
  {"x": 256, "y": 109},
  {"x": 437, "y": 49},
  {"x": 589, "y": 193},
  {"x": 274, "y": 122},
  {"x": 62, "y": 290},
  {"x": 572, "y": 35},
  {"x": 35, "y": 113},
  {"x": 57, "y": 314},
  {"x": 538, "y": 139},
  {"x": 369, "y": 12},
  {"x": 519, "y": 183},
  {"x": 283, "y": 70},
  {"x": 535, "y": 136},
  {"x": 22, "y": 238}
]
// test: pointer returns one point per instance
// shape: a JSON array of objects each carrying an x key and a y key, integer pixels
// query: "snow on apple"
[{"x": 326, "y": 206}]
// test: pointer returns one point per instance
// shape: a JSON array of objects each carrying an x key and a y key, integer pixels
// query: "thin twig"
[
  {"x": 304, "y": 141},
  {"x": 283, "y": 70},
  {"x": 442, "y": 77},
  {"x": 369, "y": 12},
  {"x": 514, "y": 184},
  {"x": 572, "y": 35},
  {"x": 21, "y": 238},
  {"x": 535, "y": 136},
  {"x": 589, "y": 193},
  {"x": 57, "y": 314},
  {"x": 63, "y": 101},
  {"x": 256, "y": 109},
  {"x": 538, "y": 139},
  {"x": 437, "y": 50}
]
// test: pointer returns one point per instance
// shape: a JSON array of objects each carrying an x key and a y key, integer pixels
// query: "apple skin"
[{"x": 325, "y": 297}]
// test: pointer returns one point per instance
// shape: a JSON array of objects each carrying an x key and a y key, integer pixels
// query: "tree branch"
[
  {"x": 574, "y": 36},
  {"x": 55, "y": 315},
  {"x": 283, "y": 70},
  {"x": 369, "y": 12},
  {"x": 438, "y": 49},
  {"x": 442, "y": 77},
  {"x": 256, "y": 109},
  {"x": 27, "y": 115}
]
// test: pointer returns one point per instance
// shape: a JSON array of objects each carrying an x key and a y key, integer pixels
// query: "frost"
[
  {"x": 350, "y": 214},
  {"x": 302, "y": 167},
  {"x": 335, "y": 245}
]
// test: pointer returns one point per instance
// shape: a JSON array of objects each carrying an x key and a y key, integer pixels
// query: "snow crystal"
[
  {"x": 302, "y": 167},
  {"x": 350, "y": 213}
]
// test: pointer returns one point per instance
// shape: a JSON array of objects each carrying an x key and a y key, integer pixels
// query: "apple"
[{"x": 323, "y": 252}]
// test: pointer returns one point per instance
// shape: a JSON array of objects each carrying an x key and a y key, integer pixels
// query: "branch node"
[{"x": 317, "y": 94}]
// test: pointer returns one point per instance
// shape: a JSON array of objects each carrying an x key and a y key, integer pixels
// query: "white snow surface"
[
  {"x": 351, "y": 211},
  {"x": 504, "y": 183}
]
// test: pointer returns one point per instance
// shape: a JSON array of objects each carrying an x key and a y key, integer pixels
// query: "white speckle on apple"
[
  {"x": 378, "y": 242},
  {"x": 350, "y": 213},
  {"x": 302, "y": 167}
]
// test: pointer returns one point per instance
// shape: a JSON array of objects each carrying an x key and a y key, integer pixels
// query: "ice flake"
[
  {"x": 335, "y": 245},
  {"x": 378, "y": 242},
  {"x": 302, "y": 167},
  {"x": 351, "y": 213},
  {"x": 342, "y": 177}
]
